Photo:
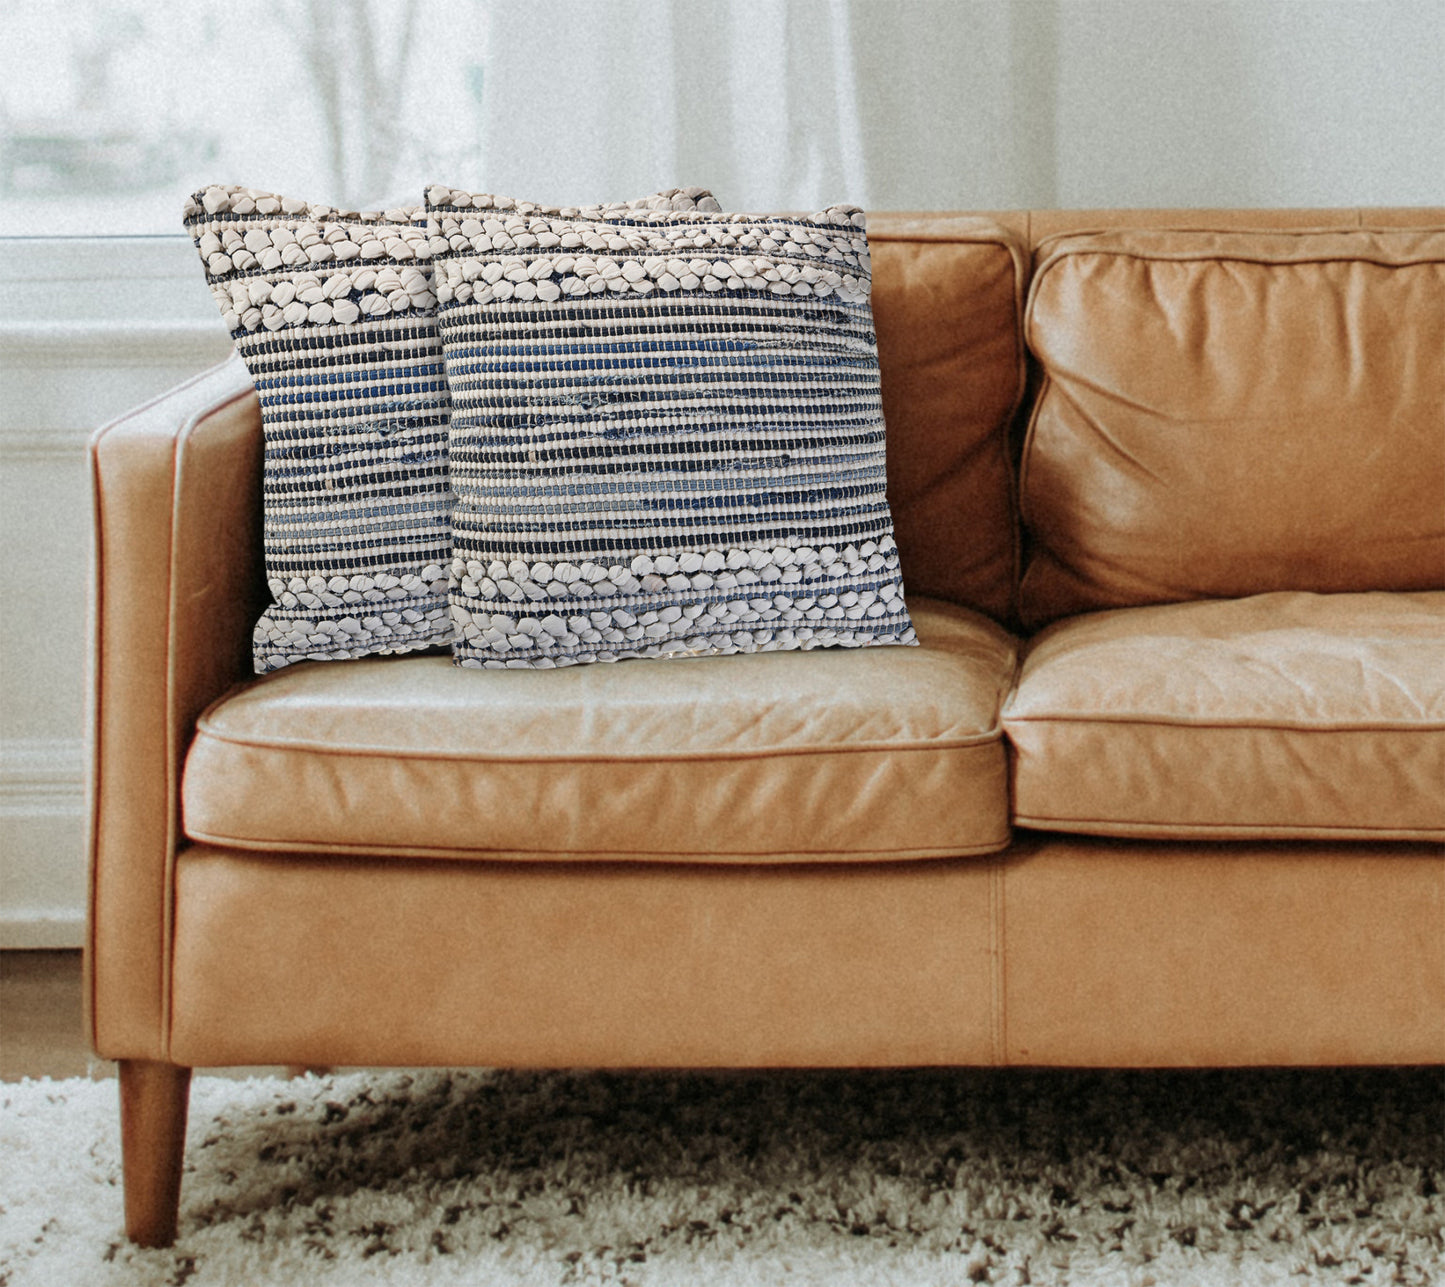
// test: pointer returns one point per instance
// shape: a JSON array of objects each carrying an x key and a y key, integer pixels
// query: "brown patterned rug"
[{"x": 920, "y": 1177}]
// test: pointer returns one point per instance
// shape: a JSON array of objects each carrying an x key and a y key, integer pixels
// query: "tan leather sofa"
[{"x": 1164, "y": 785}]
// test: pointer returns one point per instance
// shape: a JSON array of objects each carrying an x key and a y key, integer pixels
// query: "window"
[{"x": 113, "y": 110}]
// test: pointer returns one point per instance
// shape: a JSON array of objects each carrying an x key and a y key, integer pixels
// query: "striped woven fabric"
[
  {"x": 667, "y": 436},
  {"x": 333, "y": 313}
]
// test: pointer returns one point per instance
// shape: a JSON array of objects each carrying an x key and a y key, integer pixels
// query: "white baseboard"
[
  {"x": 42, "y": 843},
  {"x": 42, "y": 776},
  {"x": 58, "y": 929}
]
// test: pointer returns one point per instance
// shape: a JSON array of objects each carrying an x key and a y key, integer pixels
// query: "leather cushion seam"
[
  {"x": 1284, "y": 726},
  {"x": 1259, "y": 258},
  {"x": 686, "y": 858},
  {"x": 1123, "y": 827},
  {"x": 970, "y": 742}
]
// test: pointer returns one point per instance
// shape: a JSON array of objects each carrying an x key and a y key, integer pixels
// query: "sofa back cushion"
[
  {"x": 948, "y": 308},
  {"x": 1230, "y": 413}
]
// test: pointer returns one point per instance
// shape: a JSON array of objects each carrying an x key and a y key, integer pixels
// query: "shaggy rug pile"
[{"x": 934, "y": 1178}]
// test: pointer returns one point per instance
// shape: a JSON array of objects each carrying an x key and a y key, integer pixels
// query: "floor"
[{"x": 42, "y": 1021}]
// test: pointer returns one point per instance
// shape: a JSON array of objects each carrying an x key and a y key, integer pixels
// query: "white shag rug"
[{"x": 932, "y": 1178}]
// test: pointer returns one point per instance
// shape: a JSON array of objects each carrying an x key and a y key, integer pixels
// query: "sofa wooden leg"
[{"x": 153, "y": 1102}]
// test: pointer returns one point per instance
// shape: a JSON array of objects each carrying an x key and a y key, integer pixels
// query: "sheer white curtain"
[
  {"x": 961, "y": 104},
  {"x": 776, "y": 104},
  {"x": 758, "y": 99},
  {"x": 922, "y": 104}
]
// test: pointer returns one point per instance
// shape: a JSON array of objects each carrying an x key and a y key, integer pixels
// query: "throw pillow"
[
  {"x": 333, "y": 313},
  {"x": 667, "y": 435}
]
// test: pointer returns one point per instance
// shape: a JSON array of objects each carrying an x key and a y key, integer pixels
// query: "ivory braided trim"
[
  {"x": 487, "y": 256},
  {"x": 742, "y": 600},
  {"x": 275, "y": 262}
]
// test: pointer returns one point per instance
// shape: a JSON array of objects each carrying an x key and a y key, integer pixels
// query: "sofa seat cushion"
[
  {"x": 1285, "y": 714},
  {"x": 871, "y": 753}
]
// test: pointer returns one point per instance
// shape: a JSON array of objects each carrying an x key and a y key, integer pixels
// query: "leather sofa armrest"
[{"x": 177, "y": 582}]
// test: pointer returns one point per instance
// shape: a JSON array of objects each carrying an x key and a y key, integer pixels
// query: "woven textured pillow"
[
  {"x": 667, "y": 436},
  {"x": 334, "y": 315}
]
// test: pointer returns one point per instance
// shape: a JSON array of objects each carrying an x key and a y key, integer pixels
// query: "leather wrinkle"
[{"x": 1142, "y": 278}]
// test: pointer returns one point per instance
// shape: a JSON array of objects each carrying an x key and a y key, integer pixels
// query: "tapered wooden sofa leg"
[{"x": 154, "y": 1098}]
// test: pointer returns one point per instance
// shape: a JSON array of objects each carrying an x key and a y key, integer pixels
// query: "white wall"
[
  {"x": 1242, "y": 103},
  {"x": 892, "y": 104},
  {"x": 58, "y": 381}
]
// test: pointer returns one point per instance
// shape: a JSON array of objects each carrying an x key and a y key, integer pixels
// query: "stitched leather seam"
[
  {"x": 1056, "y": 254},
  {"x": 687, "y": 858},
  {"x": 1115, "y": 826},
  {"x": 1425, "y": 259},
  {"x": 998, "y": 962},
  {"x": 702, "y": 757},
  {"x": 992, "y": 236},
  {"x": 1352, "y": 220},
  {"x": 1283, "y": 726}
]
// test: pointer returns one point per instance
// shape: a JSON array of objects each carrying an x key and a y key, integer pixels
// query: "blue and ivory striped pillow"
[
  {"x": 667, "y": 436},
  {"x": 333, "y": 313}
]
